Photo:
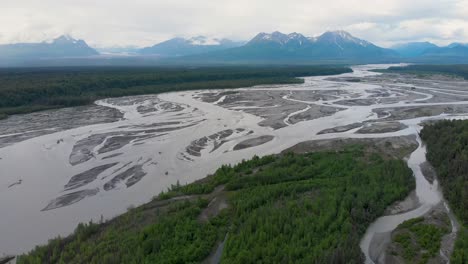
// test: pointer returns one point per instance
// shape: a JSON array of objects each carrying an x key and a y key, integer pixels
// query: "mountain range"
[
  {"x": 336, "y": 46},
  {"x": 182, "y": 47},
  {"x": 426, "y": 52},
  {"x": 413, "y": 49},
  {"x": 294, "y": 48},
  {"x": 61, "y": 47}
]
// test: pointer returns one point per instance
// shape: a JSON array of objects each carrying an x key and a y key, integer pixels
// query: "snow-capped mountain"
[
  {"x": 295, "y": 47},
  {"x": 337, "y": 45},
  {"x": 340, "y": 37},
  {"x": 63, "y": 46},
  {"x": 191, "y": 46},
  {"x": 331, "y": 38},
  {"x": 265, "y": 48},
  {"x": 280, "y": 39}
]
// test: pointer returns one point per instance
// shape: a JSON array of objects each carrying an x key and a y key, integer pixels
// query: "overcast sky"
[{"x": 105, "y": 23}]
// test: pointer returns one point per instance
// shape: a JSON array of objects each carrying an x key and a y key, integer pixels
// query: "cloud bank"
[{"x": 106, "y": 23}]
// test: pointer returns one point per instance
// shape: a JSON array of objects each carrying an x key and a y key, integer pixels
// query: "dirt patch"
[
  {"x": 402, "y": 113},
  {"x": 409, "y": 203},
  {"x": 18, "y": 128},
  {"x": 428, "y": 172},
  {"x": 83, "y": 150},
  {"x": 86, "y": 177},
  {"x": 357, "y": 102},
  {"x": 112, "y": 156},
  {"x": 70, "y": 198},
  {"x": 253, "y": 142},
  {"x": 212, "y": 142},
  {"x": 15, "y": 183},
  {"x": 314, "y": 112},
  {"x": 276, "y": 106},
  {"x": 395, "y": 147},
  {"x": 340, "y": 129},
  {"x": 130, "y": 176},
  {"x": 215, "y": 206},
  {"x": 381, "y": 127}
]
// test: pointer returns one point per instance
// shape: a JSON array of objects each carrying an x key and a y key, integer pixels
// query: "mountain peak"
[
  {"x": 278, "y": 34},
  {"x": 65, "y": 39},
  {"x": 279, "y": 38},
  {"x": 340, "y": 37},
  {"x": 61, "y": 47},
  {"x": 457, "y": 44},
  {"x": 340, "y": 33}
]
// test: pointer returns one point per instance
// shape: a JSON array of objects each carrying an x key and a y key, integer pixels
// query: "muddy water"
[
  {"x": 51, "y": 181},
  {"x": 428, "y": 194}
]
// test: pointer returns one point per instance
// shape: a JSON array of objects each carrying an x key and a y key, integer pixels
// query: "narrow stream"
[{"x": 428, "y": 194}]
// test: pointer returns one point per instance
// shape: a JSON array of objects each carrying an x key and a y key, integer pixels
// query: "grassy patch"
[
  {"x": 418, "y": 240},
  {"x": 460, "y": 253}
]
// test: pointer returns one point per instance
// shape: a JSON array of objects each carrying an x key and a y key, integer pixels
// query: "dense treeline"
[
  {"x": 27, "y": 90},
  {"x": 447, "y": 150},
  {"x": 316, "y": 213},
  {"x": 311, "y": 208},
  {"x": 456, "y": 69}
]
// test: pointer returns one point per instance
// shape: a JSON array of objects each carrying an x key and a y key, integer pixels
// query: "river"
[{"x": 62, "y": 167}]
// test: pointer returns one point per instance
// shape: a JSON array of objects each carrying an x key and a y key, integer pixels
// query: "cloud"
[
  {"x": 439, "y": 31},
  {"x": 145, "y": 22}
]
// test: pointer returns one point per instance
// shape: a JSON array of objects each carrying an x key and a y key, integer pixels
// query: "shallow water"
[{"x": 183, "y": 136}]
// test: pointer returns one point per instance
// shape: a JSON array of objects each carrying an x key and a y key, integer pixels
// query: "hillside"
[
  {"x": 308, "y": 208},
  {"x": 183, "y": 47},
  {"x": 413, "y": 49},
  {"x": 63, "y": 46}
]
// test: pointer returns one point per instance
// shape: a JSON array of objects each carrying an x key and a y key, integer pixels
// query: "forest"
[
  {"x": 288, "y": 208},
  {"x": 447, "y": 151},
  {"x": 27, "y": 90},
  {"x": 419, "y": 240},
  {"x": 460, "y": 70}
]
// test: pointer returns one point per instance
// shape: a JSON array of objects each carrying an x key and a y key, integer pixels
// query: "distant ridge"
[
  {"x": 448, "y": 54},
  {"x": 63, "y": 46},
  {"x": 182, "y": 47},
  {"x": 414, "y": 49},
  {"x": 331, "y": 47}
]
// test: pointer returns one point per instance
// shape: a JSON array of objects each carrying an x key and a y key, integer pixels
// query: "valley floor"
[{"x": 96, "y": 162}]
